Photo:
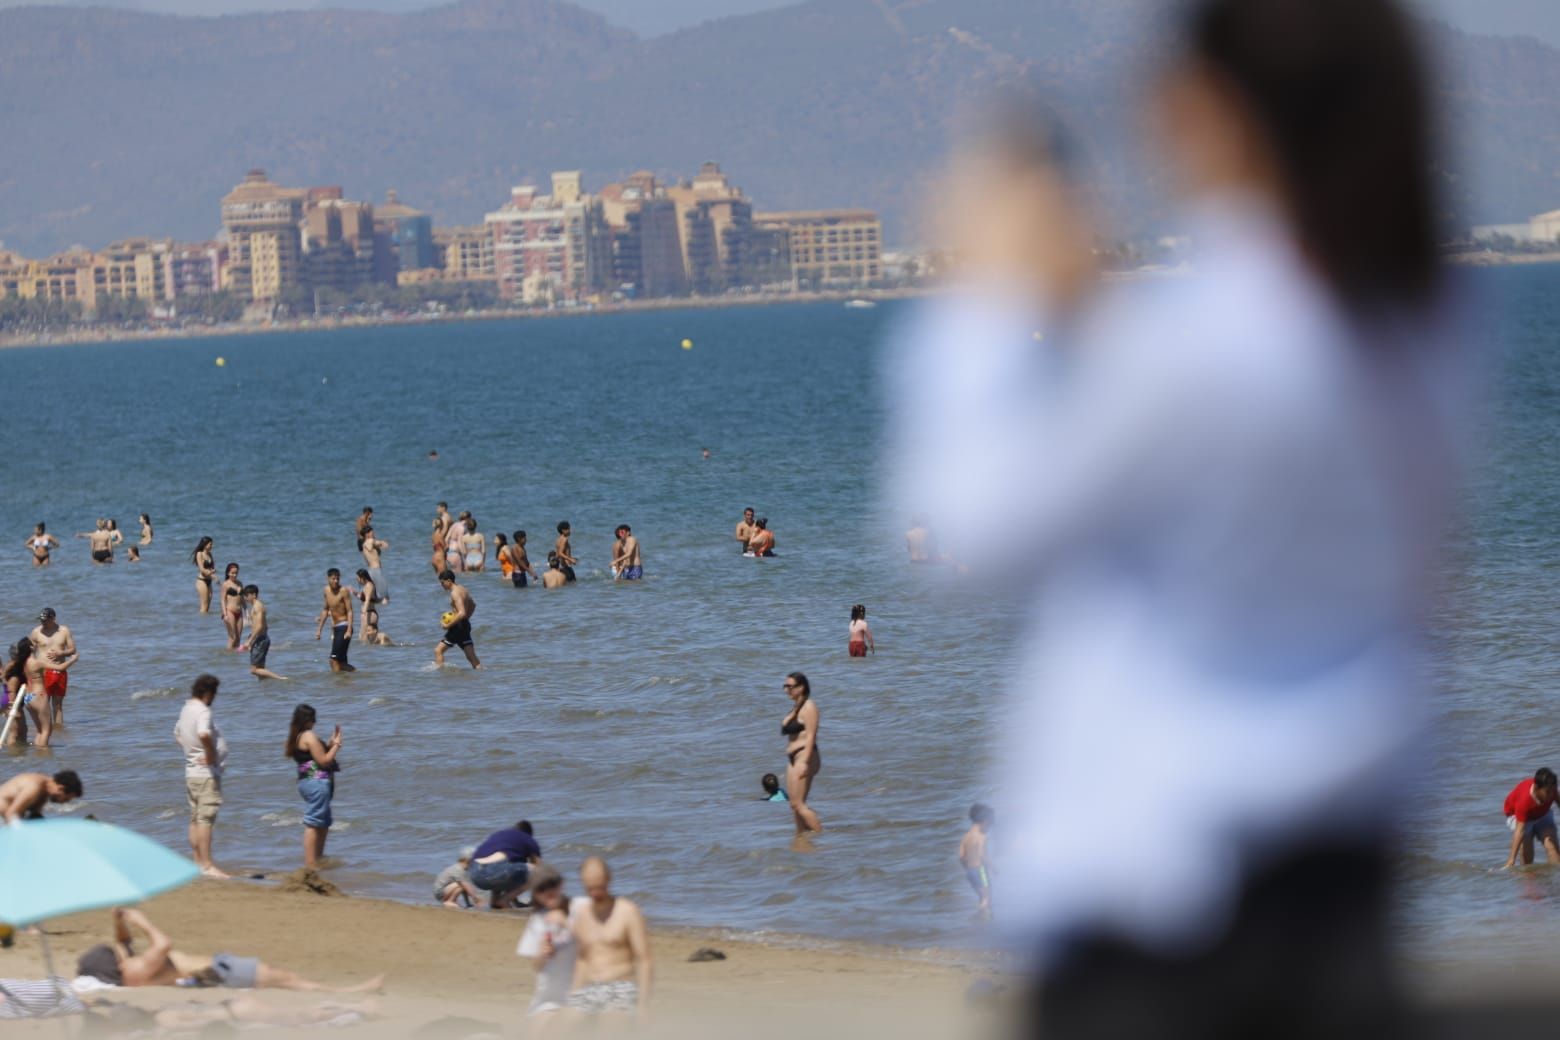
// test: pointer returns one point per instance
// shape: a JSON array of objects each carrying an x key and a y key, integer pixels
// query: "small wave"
[
  {"x": 161, "y": 692},
  {"x": 374, "y": 702},
  {"x": 283, "y": 819},
  {"x": 167, "y": 814}
]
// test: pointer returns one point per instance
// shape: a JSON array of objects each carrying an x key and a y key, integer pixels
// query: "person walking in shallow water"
[
  {"x": 861, "y": 640},
  {"x": 205, "y": 571},
  {"x": 800, "y": 730},
  {"x": 317, "y": 769},
  {"x": 457, "y": 632}
]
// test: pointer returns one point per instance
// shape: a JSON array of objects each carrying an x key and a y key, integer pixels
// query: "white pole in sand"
[{"x": 10, "y": 718}]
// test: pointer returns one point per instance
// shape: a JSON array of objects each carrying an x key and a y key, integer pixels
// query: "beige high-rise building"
[
  {"x": 134, "y": 269},
  {"x": 265, "y": 251},
  {"x": 339, "y": 241},
  {"x": 65, "y": 278},
  {"x": 830, "y": 247},
  {"x": 715, "y": 221}
]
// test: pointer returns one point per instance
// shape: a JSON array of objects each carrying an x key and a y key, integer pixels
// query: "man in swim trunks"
[
  {"x": 372, "y": 547},
  {"x": 458, "y": 632},
  {"x": 259, "y": 634},
  {"x": 338, "y": 607},
  {"x": 625, "y": 561},
  {"x": 101, "y": 542},
  {"x": 612, "y": 974},
  {"x": 1529, "y": 815},
  {"x": 565, "y": 551},
  {"x": 56, "y": 647},
  {"x": 745, "y": 528},
  {"x": 521, "y": 561},
  {"x": 24, "y": 795},
  {"x": 118, "y": 964}
]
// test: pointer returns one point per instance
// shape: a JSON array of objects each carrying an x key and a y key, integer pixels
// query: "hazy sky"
[{"x": 1539, "y": 18}]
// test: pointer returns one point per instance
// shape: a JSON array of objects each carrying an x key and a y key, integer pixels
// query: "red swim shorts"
[
  {"x": 54, "y": 683},
  {"x": 858, "y": 649}
]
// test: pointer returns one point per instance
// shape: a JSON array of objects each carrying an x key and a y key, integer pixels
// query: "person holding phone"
[{"x": 317, "y": 768}]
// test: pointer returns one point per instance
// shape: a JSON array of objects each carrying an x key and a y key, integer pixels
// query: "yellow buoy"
[
  {"x": 221, "y": 361},
  {"x": 687, "y": 344}
]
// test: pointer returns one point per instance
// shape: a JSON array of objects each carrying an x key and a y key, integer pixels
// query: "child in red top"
[{"x": 1528, "y": 816}]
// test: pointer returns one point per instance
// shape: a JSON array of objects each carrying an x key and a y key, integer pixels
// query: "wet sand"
[{"x": 444, "y": 963}]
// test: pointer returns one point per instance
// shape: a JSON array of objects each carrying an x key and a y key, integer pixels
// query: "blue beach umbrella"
[
  {"x": 67, "y": 866},
  {"x": 75, "y": 865}
]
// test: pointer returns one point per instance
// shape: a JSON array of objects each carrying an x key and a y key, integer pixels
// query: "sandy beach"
[{"x": 442, "y": 964}]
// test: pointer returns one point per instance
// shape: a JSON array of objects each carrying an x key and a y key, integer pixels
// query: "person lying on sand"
[{"x": 117, "y": 964}]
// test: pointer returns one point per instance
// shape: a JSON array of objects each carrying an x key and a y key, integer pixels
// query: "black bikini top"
[{"x": 796, "y": 726}]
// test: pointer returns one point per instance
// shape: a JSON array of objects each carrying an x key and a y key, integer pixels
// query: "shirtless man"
[
  {"x": 259, "y": 635},
  {"x": 565, "y": 551},
  {"x": 24, "y": 795},
  {"x": 372, "y": 547},
  {"x": 553, "y": 577},
  {"x": 160, "y": 964},
  {"x": 441, "y": 513},
  {"x": 41, "y": 543},
  {"x": 54, "y": 646},
  {"x": 746, "y": 528},
  {"x": 458, "y": 632},
  {"x": 521, "y": 561},
  {"x": 101, "y": 542},
  {"x": 365, "y": 522},
  {"x": 625, "y": 560},
  {"x": 613, "y": 972},
  {"x": 338, "y": 607}
]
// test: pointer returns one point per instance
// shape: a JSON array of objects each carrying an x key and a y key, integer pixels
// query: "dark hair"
[
  {"x": 334, "y": 572},
  {"x": 552, "y": 558},
  {"x": 204, "y": 685},
  {"x": 446, "y": 575},
  {"x": 518, "y": 536},
  {"x": 200, "y": 547},
  {"x": 40, "y": 528},
  {"x": 770, "y": 783},
  {"x": 368, "y": 529},
  {"x": 1544, "y": 778},
  {"x": 858, "y": 611},
  {"x": 800, "y": 678},
  {"x": 500, "y": 539},
  {"x": 525, "y": 825},
  {"x": 251, "y": 590},
  {"x": 444, "y": 505},
  {"x": 980, "y": 813},
  {"x": 146, "y": 518},
  {"x": 21, "y": 650},
  {"x": 368, "y": 509},
  {"x": 68, "y": 779},
  {"x": 762, "y": 523},
  {"x": 229, "y": 569},
  {"x": 302, "y": 720},
  {"x": 1338, "y": 89},
  {"x": 563, "y": 525}
]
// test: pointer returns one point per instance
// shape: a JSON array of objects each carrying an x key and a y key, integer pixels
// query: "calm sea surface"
[{"x": 635, "y": 721}]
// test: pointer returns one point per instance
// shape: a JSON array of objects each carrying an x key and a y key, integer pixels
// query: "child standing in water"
[
  {"x": 860, "y": 635},
  {"x": 972, "y": 856}
]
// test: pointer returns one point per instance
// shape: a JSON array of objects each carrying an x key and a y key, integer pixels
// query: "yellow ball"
[
  {"x": 448, "y": 618},
  {"x": 221, "y": 361},
  {"x": 687, "y": 344}
]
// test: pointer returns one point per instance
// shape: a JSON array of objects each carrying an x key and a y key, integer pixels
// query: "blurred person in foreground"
[{"x": 1230, "y": 486}]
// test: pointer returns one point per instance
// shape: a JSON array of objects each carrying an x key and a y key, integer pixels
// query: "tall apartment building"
[
  {"x": 65, "y": 278},
  {"x": 340, "y": 244},
  {"x": 646, "y": 245},
  {"x": 466, "y": 253},
  {"x": 265, "y": 249},
  {"x": 194, "y": 269},
  {"x": 135, "y": 269},
  {"x": 831, "y": 247},
  {"x": 715, "y": 221},
  {"x": 548, "y": 248},
  {"x": 405, "y": 239}
]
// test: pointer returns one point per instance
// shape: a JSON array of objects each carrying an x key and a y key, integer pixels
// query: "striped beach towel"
[{"x": 45, "y": 998}]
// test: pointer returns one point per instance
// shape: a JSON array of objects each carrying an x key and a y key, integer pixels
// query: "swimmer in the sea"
[
  {"x": 338, "y": 607},
  {"x": 259, "y": 644},
  {"x": 772, "y": 789},
  {"x": 554, "y": 577},
  {"x": 41, "y": 543},
  {"x": 368, "y": 593},
  {"x": 372, "y": 634},
  {"x": 564, "y": 551},
  {"x": 803, "y": 760},
  {"x": 101, "y": 541},
  {"x": 626, "y": 564},
  {"x": 972, "y": 856},
  {"x": 146, "y": 529},
  {"x": 473, "y": 546},
  {"x": 763, "y": 541},
  {"x": 745, "y": 528},
  {"x": 861, "y": 640},
  {"x": 371, "y": 546},
  {"x": 365, "y": 521},
  {"x": 205, "y": 571},
  {"x": 454, "y": 544},
  {"x": 438, "y": 547},
  {"x": 232, "y": 605},
  {"x": 135, "y": 554},
  {"x": 522, "y": 561}
]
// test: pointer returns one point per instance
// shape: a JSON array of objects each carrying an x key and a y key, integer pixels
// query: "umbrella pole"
[{"x": 10, "y": 718}]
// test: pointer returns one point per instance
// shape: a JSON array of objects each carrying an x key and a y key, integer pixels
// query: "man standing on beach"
[
  {"x": 338, "y": 607},
  {"x": 625, "y": 559},
  {"x": 612, "y": 974},
  {"x": 53, "y": 643},
  {"x": 205, "y": 755},
  {"x": 746, "y": 528},
  {"x": 458, "y": 631},
  {"x": 24, "y": 795},
  {"x": 371, "y": 548},
  {"x": 259, "y": 635}
]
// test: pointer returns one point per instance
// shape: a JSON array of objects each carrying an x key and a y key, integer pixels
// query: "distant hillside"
[{"x": 120, "y": 123}]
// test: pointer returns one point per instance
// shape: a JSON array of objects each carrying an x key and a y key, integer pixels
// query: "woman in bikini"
[
  {"x": 860, "y": 635},
  {"x": 40, "y": 543},
  {"x": 800, "y": 730},
  {"x": 474, "y": 546},
  {"x": 438, "y": 546},
  {"x": 205, "y": 570},
  {"x": 232, "y": 605},
  {"x": 146, "y": 529}
]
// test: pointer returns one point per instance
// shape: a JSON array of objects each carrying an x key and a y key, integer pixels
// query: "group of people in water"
[{"x": 103, "y": 540}]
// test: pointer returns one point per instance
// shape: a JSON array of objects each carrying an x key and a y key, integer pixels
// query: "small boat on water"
[{"x": 859, "y": 305}]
